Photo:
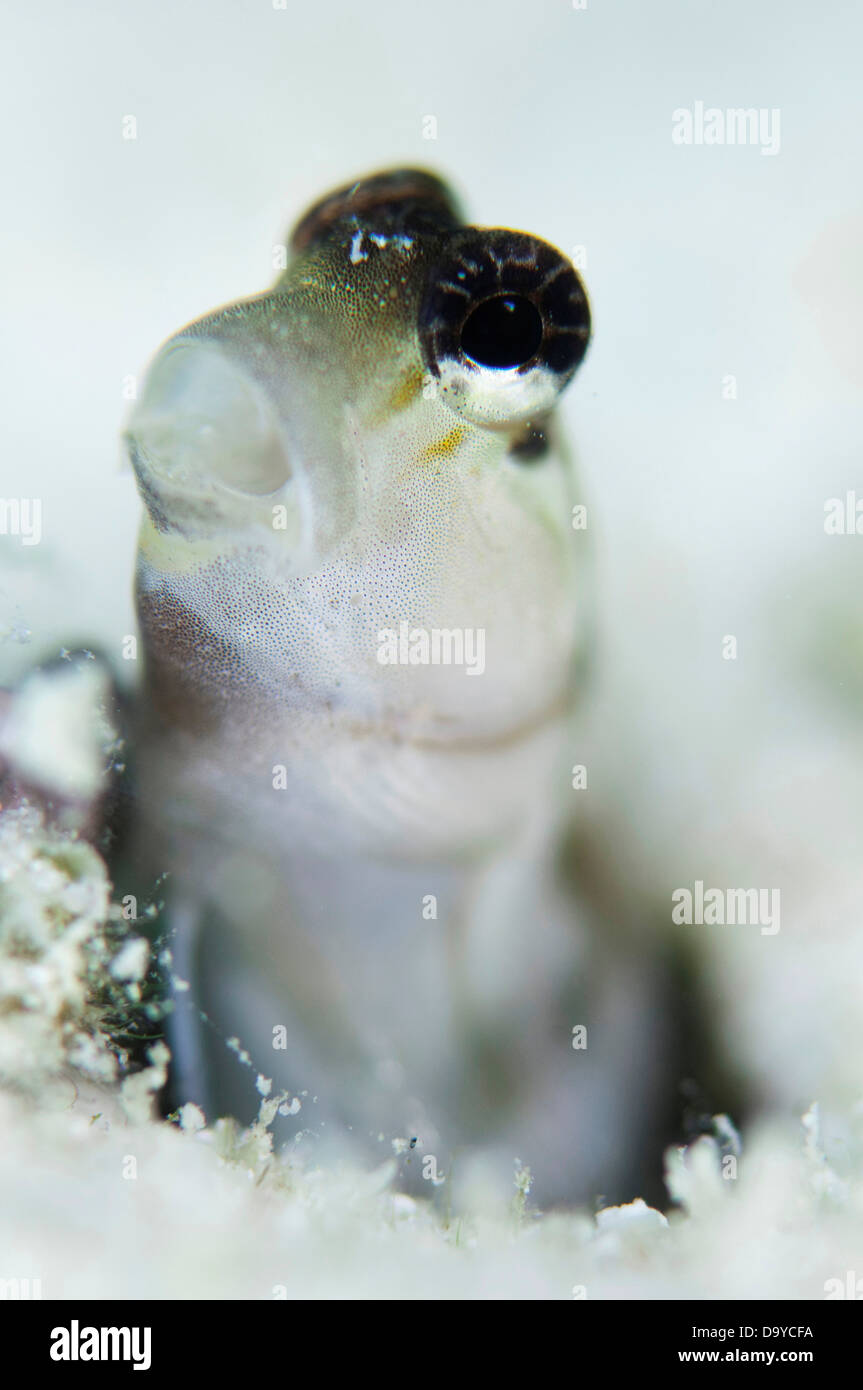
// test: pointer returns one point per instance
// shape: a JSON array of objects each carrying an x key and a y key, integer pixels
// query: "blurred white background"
[{"x": 702, "y": 262}]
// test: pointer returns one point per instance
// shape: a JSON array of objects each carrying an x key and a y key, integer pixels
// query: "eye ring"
[{"x": 504, "y": 324}]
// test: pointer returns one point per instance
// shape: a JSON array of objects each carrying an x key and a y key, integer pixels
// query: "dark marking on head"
[
  {"x": 530, "y": 444},
  {"x": 149, "y": 495},
  {"x": 400, "y": 202}
]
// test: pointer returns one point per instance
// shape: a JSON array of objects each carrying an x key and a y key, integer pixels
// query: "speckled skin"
[{"x": 362, "y": 853}]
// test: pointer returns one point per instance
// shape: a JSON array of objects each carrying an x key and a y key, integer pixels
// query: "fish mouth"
[{"x": 449, "y": 740}]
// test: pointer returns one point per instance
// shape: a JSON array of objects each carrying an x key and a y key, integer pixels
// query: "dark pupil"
[{"x": 503, "y": 331}]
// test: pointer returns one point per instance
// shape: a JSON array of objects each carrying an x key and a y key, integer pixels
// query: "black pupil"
[{"x": 504, "y": 331}]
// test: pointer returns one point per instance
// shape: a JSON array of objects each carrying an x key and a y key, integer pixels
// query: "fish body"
[{"x": 362, "y": 603}]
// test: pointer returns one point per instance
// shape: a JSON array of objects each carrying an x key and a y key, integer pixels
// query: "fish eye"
[
  {"x": 503, "y": 331},
  {"x": 504, "y": 324}
]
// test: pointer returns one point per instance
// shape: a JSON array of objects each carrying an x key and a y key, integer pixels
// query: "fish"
[{"x": 363, "y": 604}]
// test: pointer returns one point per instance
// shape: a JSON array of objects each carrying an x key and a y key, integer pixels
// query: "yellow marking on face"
[
  {"x": 406, "y": 391},
  {"x": 444, "y": 447}
]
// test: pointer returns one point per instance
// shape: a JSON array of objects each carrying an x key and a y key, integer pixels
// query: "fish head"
[{"x": 360, "y": 458}]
